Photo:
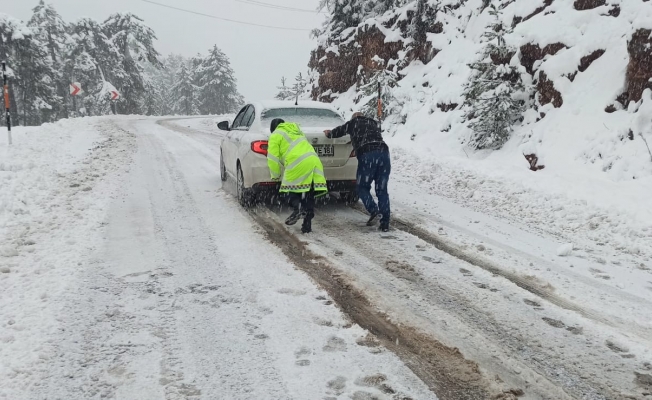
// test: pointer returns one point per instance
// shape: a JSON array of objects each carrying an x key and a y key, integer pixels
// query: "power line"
[
  {"x": 225, "y": 19},
  {"x": 278, "y": 7}
]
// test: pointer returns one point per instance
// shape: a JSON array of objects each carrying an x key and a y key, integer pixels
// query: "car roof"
[{"x": 271, "y": 104}]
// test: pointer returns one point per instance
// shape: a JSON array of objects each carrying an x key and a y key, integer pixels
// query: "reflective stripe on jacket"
[{"x": 290, "y": 153}]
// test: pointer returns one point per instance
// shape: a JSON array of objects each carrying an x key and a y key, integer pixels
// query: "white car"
[{"x": 244, "y": 148}]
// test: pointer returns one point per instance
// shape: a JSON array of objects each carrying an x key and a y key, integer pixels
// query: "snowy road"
[
  {"x": 187, "y": 301},
  {"x": 172, "y": 291}
]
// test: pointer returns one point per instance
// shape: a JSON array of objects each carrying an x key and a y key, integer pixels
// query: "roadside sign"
[
  {"x": 75, "y": 89},
  {"x": 5, "y": 90},
  {"x": 114, "y": 95}
]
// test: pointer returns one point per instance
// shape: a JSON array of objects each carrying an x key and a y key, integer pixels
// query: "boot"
[
  {"x": 296, "y": 215},
  {"x": 372, "y": 218},
  {"x": 307, "y": 223}
]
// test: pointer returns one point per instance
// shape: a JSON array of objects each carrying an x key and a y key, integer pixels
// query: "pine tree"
[
  {"x": 167, "y": 82},
  {"x": 35, "y": 86},
  {"x": 284, "y": 91},
  {"x": 368, "y": 94},
  {"x": 419, "y": 25},
  {"x": 216, "y": 82},
  {"x": 46, "y": 55},
  {"x": 31, "y": 94},
  {"x": 52, "y": 32},
  {"x": 134, "y": 42},
  {"x": 344, "y": 14},
  {"x": 494, "y": 92},
  {"x": 93, "y": 60},
  {"x": 185, "y": 92},
  {"x": 299, "y": 87},
  {"x": 153, "y": 101},
  {"x": 11, "y": 30},
  {"x": 350, "y": 13}
]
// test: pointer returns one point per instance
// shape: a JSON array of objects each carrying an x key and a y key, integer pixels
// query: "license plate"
[{"x": 324, "y": 150}]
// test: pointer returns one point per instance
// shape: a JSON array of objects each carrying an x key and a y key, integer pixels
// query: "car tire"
[
  {"x": 244, "y": 195},
  {"x": 350, "y": 198},
  {"x": 223, "y": 175}
]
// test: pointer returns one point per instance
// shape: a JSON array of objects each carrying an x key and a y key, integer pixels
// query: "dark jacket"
[{"x": 365, "y": 135}]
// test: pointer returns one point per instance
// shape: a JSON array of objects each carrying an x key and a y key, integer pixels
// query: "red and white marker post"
[
  {"x": 75, "y": 89},
  {"x": 5, "y": 90}
]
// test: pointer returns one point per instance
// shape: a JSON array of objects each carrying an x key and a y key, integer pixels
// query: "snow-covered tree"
[
  {"x": 165, "y": 80},
  {"x": 217, "y": 89},
  {"x": 494, "y": 95},
  {"x": 350, "y": 13},
  {"x": 284, "y": 91},
  {"x": 92, "y": 60},
  {"x": 46, "y": 55},
  {"x": 11, "y": 31},
  {"x": 134, "y": 42},
  {"x": 36, "y": 82},
  {"x": 368, "y": 93},
  {"x": 185, "y": 92},
  {"x": 52, "y": 32},
  {"x": 153, "y": 99},
  {"x": 344, "y": 14},
  {"x": 31, "y": 93},
  {"x": 299, "y": 88}
]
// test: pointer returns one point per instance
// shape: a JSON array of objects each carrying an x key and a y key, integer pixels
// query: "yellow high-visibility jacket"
[{"x": 290, "y": 152}]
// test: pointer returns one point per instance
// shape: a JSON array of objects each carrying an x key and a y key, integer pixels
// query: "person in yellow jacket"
[{"x": 289, "y": 153}]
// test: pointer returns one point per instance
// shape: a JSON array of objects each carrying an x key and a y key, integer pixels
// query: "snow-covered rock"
[
  {"x": 565, "y": 250},
  {"x": 587, "y": 132}
]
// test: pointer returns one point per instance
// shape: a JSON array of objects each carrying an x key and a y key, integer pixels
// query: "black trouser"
[{"x": 306, "y": 203}]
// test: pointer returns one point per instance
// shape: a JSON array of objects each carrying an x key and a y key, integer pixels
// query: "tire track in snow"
[
  {"x": 540, "y": 289},
  {"x": 348, "y": 293},
  {"x": 176, "y": 216},
  {"x": 192, "y": 173},
  {"x": 554, "y": 370},
  {"x": 442, "y": 368}
]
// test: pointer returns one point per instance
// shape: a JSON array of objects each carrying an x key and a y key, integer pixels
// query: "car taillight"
[
  {"x": 259, "y": 146},
  {"x": 352, "y": 154}
]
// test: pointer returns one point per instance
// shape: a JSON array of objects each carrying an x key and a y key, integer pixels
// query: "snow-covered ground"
[
  {"x": 200, "y": 124},
  {"x": 593, "y": 195},
  {"x": 128, "y": 272}
]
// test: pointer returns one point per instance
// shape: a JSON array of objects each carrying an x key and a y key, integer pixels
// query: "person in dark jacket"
[{"x": 373, "y": 164}]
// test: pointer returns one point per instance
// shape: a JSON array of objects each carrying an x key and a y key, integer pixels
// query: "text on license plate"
[{"x": 325, "y": 150}]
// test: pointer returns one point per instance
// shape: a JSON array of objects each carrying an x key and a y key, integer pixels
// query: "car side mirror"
[{"x": 224, "y": 125}]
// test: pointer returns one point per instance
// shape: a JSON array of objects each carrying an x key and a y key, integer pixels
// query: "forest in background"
[{"x": 46, "y": 54}]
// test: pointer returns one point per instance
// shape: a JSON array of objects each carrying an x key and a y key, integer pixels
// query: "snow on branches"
[
  {"x": 495, "y": 94},
  {"x": 47, "y": 54}
]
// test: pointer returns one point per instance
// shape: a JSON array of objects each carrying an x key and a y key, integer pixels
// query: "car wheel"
[
  {"x": 223, "y": 175},
  {"x": 244, "y": 197},
  {"x": 350, "y": 198}
]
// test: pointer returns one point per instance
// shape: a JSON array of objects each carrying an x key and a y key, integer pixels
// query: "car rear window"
[{"x": 305, "y": 117}]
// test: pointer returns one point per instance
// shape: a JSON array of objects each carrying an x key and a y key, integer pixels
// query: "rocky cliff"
[{"x": 588, "y": 64}]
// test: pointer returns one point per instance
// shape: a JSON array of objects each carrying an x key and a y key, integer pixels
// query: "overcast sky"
[{"x": 259, "y": 56}]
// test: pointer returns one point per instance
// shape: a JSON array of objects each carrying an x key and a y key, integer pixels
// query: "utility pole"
[
  {"x": 5, "y": 83},
  {"x": 380, "y": 107}
]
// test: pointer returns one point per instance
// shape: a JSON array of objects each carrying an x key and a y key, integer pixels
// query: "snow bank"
[
  {"x": 597, "y": 178},
  {"x": 53, "y": 196}
]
